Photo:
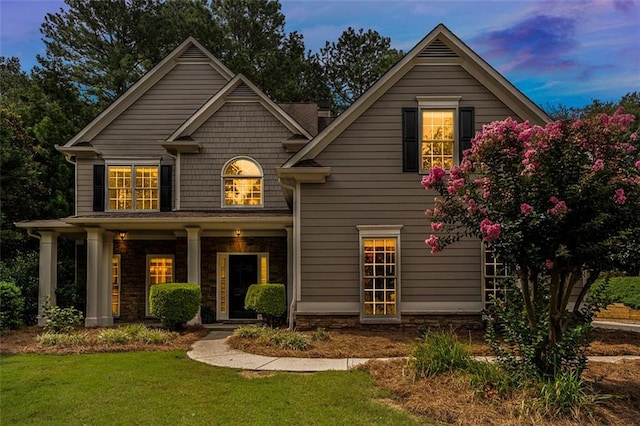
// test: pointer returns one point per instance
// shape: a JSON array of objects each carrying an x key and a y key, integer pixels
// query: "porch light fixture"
[{"x": 122, "y": 235}]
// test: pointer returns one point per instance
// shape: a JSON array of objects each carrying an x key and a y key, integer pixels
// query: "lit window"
[
  {"x": 438, "y": 140},
  {"x": 159, "y": 271},
  {"x": 242, "y": 183},
  {"x": 379, "y": 273},
  {"x": 127, "y": 193},
  {"x": 115, "y": 285},
  {"x": 495, "y": 274}
]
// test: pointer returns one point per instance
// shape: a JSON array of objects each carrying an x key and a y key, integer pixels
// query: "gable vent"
[
  {"x": 437, "y": 49},
  {"x": 193, "y": 53},
  {"x": 242, "y": 91}
]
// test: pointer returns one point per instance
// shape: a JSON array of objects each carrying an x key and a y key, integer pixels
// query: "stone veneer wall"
[{"x": 337, "y": 321}]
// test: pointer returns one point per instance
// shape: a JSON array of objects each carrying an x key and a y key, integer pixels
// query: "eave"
[{"x": 304, "y": 174}]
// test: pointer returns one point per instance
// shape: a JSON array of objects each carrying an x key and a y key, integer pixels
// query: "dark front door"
[{"x": 243, "y": 271}]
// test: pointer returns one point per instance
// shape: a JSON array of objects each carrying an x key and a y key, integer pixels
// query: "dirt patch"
[
  {"x": 248, "y": 374},
  {"x": 389, "y": 344},
  {"x": 24, "y": 341},
  {"x": 452, "y": 401}
]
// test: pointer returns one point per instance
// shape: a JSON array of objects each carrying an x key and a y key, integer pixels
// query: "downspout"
[
  {"x": 296, "y": 260},
  {"x": 31, "y": 234},
  {"x": 75, "y": 183}
]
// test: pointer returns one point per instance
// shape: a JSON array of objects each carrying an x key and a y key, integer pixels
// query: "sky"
[{"x": 557, "y": 52}]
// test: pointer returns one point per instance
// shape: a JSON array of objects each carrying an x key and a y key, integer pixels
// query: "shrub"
[
  {"x": 60, "y": 320},
  {"x": 320, "y": 335},
  {"x": 11, "y": 305},
  {"x": 174, "y": 304},
  {"x": 489, "y": 379},
  {"x": 290, "y": 340},
  {"x": 23, "y": 271},
  {"x": 269, "y": 300},
  {"x": 62, "y": 340},
  {"x": 439, "y": 352},
  {"x": 153, "y": 336},
  {"x": 113, "y": 336},
  {"x": 249, "y": 331},
  {"x": 620, "y": 290}
]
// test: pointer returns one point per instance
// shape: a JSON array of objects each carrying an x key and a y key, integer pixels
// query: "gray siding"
[
  {"x": 137, "y": 132},
  {"x": 236, "y": 129},
  {"x": 367, "y": 187}
]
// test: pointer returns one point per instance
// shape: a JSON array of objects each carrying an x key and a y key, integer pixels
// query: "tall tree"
[{"x": 352, "y": 64}]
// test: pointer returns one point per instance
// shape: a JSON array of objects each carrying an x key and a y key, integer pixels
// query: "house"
[{"x": 194, "y": 175}]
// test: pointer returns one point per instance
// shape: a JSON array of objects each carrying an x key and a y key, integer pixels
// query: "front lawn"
[{"x": 169, "y": 389}]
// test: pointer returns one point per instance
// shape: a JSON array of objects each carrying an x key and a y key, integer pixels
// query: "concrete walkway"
[{"x": 213, "y": 350}]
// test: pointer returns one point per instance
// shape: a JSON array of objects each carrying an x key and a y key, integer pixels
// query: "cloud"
[
  {"x": 538, "y": 44},
  {"x": 624, "y": 6}
]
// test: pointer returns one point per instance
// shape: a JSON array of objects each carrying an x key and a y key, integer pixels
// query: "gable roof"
[
  {"x": 189, "y": 51},
  {"x": 439, "y": 46},
  {"x": 239, "y": 88}
]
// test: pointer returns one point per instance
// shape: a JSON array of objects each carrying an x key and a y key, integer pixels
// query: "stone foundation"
[{"x": 344, "y": 321}]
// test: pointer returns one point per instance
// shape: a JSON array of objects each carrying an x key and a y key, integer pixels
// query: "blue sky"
[{"x": 564, "y": 51}]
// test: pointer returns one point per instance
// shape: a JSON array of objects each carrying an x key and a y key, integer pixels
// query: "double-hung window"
[
  {"x": 160, "y": 270},
  {"x": 379, "y": 273},
  {"x": 438, "y": 132},
  {"x": 133, "y": 187}
]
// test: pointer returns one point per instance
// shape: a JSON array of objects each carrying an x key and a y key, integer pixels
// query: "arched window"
[{"x": 242, "y": 183}]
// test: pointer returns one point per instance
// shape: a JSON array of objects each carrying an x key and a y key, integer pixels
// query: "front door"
[{"x": 243, "y": 271}]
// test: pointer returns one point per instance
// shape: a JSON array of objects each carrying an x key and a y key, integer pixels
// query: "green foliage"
[
  {"x": 11, "y": 305},
  {"x": 174, "y": 304},
  {"x": 269, "y": 300},
  {"x": 620, "y": 290},
  {"x": 23, "y": 271},
  {"x": 135, "y": 333},
  {"x": 282, "y": 338},
  {"x": 490, "y": 380},
  {"x": 60, "y": 320},
  {"x": 440, "y": 352},
  {"x": 249, "y": 331},
  {"x": 352, "y": 64},
  {"x": 113, "y": 336},
  {"x": 61, "y": 340},
  {"x": 320, "y": 335}
]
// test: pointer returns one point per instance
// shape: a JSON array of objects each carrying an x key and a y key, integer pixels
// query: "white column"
[
  {"x": 94, "y": 275},
  {"x": 48, "y": 271},
  {"x": 289, "y": 230},
  {"x": 105, "y": 314},
  {"x": 193, "y": 262}
]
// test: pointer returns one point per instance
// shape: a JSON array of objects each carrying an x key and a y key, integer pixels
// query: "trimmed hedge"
[
  {"x": 11, "y": 305},
  {"x": 174, "y": 304},
  {"x": 620, "y": 290},
  {"x": 268, "y": 300}
]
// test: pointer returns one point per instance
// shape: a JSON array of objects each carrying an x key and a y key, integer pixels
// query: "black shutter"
[
  {"x": 98, "y": 187},
  {"x": 410, "y": 151},
  {"x": 467, "y": 129},
  {"x": 165, "y": 188}
]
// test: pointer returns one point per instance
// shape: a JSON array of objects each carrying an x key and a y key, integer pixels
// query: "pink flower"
[
  {"x": 432, "y": 242},
  {"x": 637, "y": 164},
  {"x": 428, "y": 214},
  {"x": 631, "y": 148},
  {"x": 455, "y": 172},
  {"x": 525, "y": 209},
  {"x": 490, "y": 230},
  {"x": 549, "y": 264},
  {"x": 554, "y": 199},
  {"x": 436, "y": 226},
  {"x": 560, "y": 209},
  {"x": 634, "y": 136},
  {"x": 598, "y": 165},
  {"x": 472, "y": 206},
  {"x": 454, "y": 186},
  {"x": 619, "y": 198},
  {"x": 435, "y": 176}
]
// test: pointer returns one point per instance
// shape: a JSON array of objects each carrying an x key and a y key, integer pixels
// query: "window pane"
[
  {"x": 120, "y": 191},
  {"x": 160, "y": 270},
  {"x": 146, "y": 188},
  {"x": 242, "y": 192},
  {"x": 379, "y": 280},
  {"x": 437, "y": 139}
]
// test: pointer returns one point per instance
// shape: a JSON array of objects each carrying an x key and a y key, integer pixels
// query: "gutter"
[{"x": 296, "y": 257}]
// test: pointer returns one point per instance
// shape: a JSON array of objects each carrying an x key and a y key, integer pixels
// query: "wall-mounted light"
[
  {"x": 238, "y": 232},
  {"x": 122, "y": 235}
]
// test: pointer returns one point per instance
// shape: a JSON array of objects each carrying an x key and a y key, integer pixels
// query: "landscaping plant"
[
  {"x": 11, "y": 304},
  {"x": 554, "y": 203},
  {"x": 174, "y": 304},
  {"x": 268, "y": 300},
  {"x": 60, "y": 320}
]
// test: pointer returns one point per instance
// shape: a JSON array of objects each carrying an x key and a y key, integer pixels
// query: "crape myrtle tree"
[{"x": 553, "y": 203}]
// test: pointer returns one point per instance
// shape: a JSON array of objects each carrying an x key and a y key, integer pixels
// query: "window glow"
[
  {"x": 437, "y": 139},
  {"x": 242, "y": 183},
  {"x": 123, "y": 195},
  {"x": 379, "y": 276},
  {"x": 115, "y": 285}
]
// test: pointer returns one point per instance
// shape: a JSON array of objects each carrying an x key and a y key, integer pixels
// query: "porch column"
[
  {"x": 48, "y": 271},
  {"x": 94, "y": 275},
  {"x": 105, "y": 313},
  {"x": 193, "y": 262}
]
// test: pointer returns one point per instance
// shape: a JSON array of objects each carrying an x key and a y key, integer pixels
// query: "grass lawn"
[{"x": 167, "y": 388}]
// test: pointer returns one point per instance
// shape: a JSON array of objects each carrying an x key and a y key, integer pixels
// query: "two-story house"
[{"x": 194, "y": 175}]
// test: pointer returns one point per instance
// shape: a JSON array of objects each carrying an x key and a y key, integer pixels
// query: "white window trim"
[
  {"x": 114, "y": 162},
  {"x": 148, "y": 280},
  {"x": 440, "y": 103},
  {"x": 119, "y": 257},
  {"x": 223, "y": 176},
  {"x": 220, "y": 315},
  {"x": 382, "y": 232}
]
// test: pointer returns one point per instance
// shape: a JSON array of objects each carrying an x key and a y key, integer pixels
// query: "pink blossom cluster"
[
  {"x": 526, "y": 209},
  {"x": 490, "y": 230},
  {"x": 598, "y": 165},
  {"x": 559, "y": 208},
  {"x": 433, "y": 242},
  {"x": 619, "y": 197},
  {"x": 435, "y": 176}
]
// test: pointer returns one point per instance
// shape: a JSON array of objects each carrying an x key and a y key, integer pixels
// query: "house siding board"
[
  {"x": 159, "y": 111},
  {"x": 237, "y": 129},
  {"x": 367, "y": 187},
  {"x": 84, "y": 185}
]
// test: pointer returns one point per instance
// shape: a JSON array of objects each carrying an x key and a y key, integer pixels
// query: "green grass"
[
  {"x": 621, "y": 290},
  {"x": 167, "y": 388}
]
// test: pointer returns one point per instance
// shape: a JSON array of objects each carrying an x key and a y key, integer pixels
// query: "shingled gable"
[
  {"x": 184, "y": 53},
  {"x": 440, "y": 46},
  {"x": 238, "y": 88}
]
